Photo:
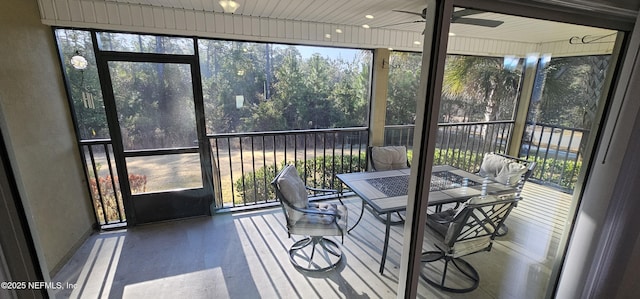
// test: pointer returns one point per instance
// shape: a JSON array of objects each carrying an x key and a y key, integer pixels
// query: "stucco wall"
[{"x": 36, "y": 122}]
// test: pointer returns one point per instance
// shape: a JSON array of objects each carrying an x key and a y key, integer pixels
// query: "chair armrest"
[
  {"x": 313, "y": 211},
  {"x": 339, "y": 192},
  {"x": 444, "y": 217},
  {"x": 322, "y": 190}
]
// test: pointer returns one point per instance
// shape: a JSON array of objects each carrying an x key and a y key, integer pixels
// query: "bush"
[
  {"x": 563, "y": 173},
  {"x": 320, "y": 172},
  {"x": 111, "y": 196}
]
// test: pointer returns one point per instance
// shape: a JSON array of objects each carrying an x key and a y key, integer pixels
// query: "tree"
[
  {"x": 475, "y": 79},
  {"x": 404, "y": 80},
  {"x": 84, "y": 85}
]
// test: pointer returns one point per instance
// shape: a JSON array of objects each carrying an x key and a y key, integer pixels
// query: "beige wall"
[{"x": 35, "y": 119}]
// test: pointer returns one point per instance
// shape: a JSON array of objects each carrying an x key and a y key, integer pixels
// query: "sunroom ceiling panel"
[{"x": 313, "y": 22}]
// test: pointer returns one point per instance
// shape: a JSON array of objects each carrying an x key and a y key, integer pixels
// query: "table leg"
[
  {"x": 386, "y": 243},
  {"x": 359, "y": 218}
]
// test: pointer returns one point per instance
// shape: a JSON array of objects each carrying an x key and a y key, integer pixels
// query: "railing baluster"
[
  {"x": 333, "y": 159},
  {"x": 566, "y": 159},
  {"x": 285, "y": 149},
  {"x": 305, "y": 135},
  {"x": 275, "y": 158},
  {"x": 360, "y": 148},
  {"x": 494, "y": 142},
  {"x": 546, "y": 152},
  {"x": 342, "y": 154},
  {"x": 113, "y": 182},
  {"x": 467, "y": 164},
  {"x": 315, "y": 159},
  {"x": 105, "y": 218},
  {"x": 264, "y": 167},
  {"x": 555, "y": 157},
  {"x": 233, "y": 193},
  {"x": 324, "y": 159},
  {"x": 218, "y": 168},
  {"x": 253, "y": 165},
  {"x": 244, "y": 188},
  {"x": 351, "y": 152},
  {"x": 575, "y": 161},
  {"x": 295, "y": 150}
]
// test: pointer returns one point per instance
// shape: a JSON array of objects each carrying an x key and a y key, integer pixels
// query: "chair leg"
[
  {"x": 464, "y": 279},
  {"x": 502, "y": 230},
  {"x": 329, "y": 257}
]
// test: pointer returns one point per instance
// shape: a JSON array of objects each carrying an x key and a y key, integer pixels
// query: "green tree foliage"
[
  {"x": 84, "y": 85},
  {"x": 475, "y": 88},
  {"x": 304, "y": 93},
  {"x": 572, "y": 90},
  {"x": 472, "y": 80},
  {"x": 404, "y": 79}
]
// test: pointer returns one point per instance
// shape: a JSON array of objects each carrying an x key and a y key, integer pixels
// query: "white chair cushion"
[
  {"x": 511, "y": 173},
  {"x": 294, "y": 192},
  {"x": 389, "y": 157},
  {"x": 492, "y": 164}
]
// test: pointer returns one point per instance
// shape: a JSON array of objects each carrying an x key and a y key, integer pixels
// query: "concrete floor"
[{"x": 244, "y": 255}]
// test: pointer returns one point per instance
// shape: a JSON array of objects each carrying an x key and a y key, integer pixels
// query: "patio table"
[{"x": 386, "y": 191}]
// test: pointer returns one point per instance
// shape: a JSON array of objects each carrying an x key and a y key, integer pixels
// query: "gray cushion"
[
  {"x": 389, "y": 157},
  {"x": 321, "y": 225},
  {"x": 294, "y": 192}
]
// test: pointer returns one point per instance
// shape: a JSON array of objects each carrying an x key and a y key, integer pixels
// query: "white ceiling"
[{"x": 352, "y": 13}]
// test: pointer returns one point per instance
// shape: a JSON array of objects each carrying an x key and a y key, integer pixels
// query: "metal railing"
[
  {"x": 459, "y": 144},
  {"x": 245, "y": 163},
  {"x": 557, "y": 151},
  {"x": 103, "y": 181}
]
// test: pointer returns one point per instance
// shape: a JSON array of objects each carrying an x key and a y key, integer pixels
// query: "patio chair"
[
  {"x": 312, "y": 220},
  {"x": 471, "y": 230},
  {"x": 388, "y": 158},
  {"x": 507, "y": 170}
]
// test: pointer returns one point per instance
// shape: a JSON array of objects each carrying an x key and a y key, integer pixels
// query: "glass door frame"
[
  {"x": 165, "y": 205},
  {"x": 433, "y": 62}
]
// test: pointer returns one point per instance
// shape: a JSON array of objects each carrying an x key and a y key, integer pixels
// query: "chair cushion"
[
  {"x": 294, "y": 192},
  {"x": 389, "y": 157},
  {"x": 501, "y": 169},
  {"x": 321, "y": 225},
  {"x": 491, "y": 165},
  {"x": 511, "y": 173},
  {"x": 439, "y": 222}
]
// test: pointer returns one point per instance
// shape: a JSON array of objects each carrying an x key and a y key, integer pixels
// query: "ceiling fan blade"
[
  {"x": 422, "y": 15},
  {"x": 465, "y": 12},
  {"x": 402, "y": 23},
  {"x": 478, "y": 22}
]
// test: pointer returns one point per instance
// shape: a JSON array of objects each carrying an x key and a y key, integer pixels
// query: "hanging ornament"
[
  {"x": 87, "y": 100},
  {"x": 79, "y": 62}
]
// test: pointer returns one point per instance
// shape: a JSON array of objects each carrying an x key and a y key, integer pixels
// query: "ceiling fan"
[{"x": 459, "y": 17}]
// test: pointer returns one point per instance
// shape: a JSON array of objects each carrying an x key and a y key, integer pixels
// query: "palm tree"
[
  {"x": 474, "y": 82},
  {"x": 482, "y": 80}
]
